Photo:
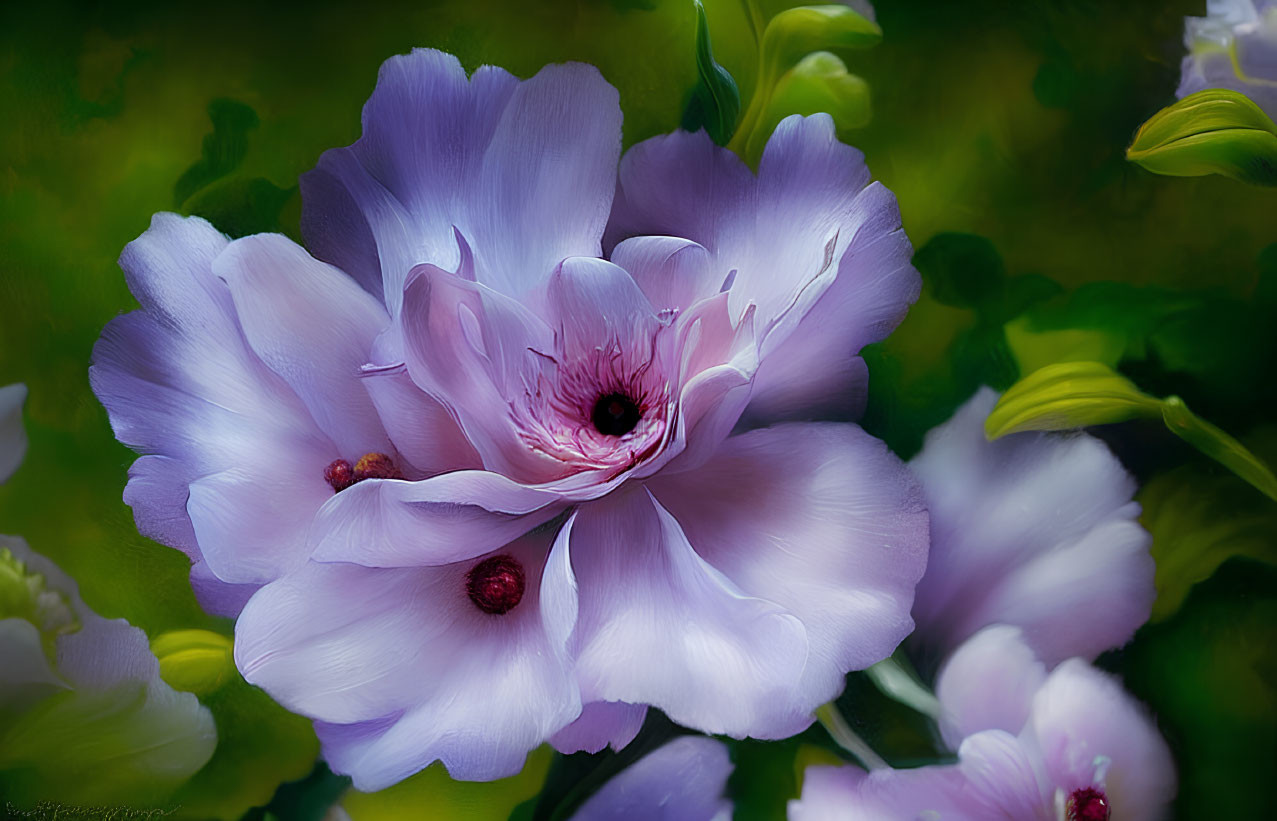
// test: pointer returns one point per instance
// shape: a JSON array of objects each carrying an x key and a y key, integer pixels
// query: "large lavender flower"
[
  {"x": 1233, "y": 46},
  {"x": 610, "y": 545},
  {"x": 1065, "y": 746},
  {"x": 1034, "y": 530}
]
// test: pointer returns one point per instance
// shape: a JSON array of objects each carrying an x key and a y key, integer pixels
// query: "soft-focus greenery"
[{"x": 1002, "y": 128}]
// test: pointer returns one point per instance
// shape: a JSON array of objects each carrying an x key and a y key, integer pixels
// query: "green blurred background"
[{"x": 1001, "y": 127}]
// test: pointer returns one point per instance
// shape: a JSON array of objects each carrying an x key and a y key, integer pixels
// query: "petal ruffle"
[
  {"x": 601, "y": 724},
  {"x": 525, "y": 170},
  {"x": 808, "y": 240},
  {"x": 660, "y": 626},
  {"x": 820, "y": 519}
]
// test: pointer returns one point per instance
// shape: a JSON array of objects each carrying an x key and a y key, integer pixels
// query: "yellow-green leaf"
[
  {"x": 1216, "y": 131},
  {"x": 432, "y": 794},
  {"x": 1068, "y": 395},
  {"x": 1078, "y": 394}
]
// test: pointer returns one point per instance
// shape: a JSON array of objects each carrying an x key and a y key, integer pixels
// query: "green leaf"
[
  {"x": 1216, "y": 131},
  {"x": 961, "y": 270},
  {"x": 789, "y": 37},
  {"x": 1068, "y": 395},
  {"x": 260, "y": 745},
  {"x": 819, "y": 83},
  {"x": 431, "y": 793},
  {"x": 223, "y": 150},
  {"x": 1198, "y": 521},
  {"x": 1079, "y": 394},
  {"x": 715, "y": 100}
]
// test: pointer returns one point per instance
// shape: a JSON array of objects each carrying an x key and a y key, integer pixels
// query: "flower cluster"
[{"x": 508, "y": 455}]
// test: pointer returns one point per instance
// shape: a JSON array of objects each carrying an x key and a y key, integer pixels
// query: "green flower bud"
[
  {"x": 820, "y": 82},
  {"x": 1216, "y": 131},
  {"x": 195, "y": 661}
]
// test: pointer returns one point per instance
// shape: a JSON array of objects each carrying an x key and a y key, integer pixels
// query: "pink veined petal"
[
  {"x": 447, "y": 518},
  {"x": 593, "y": 301},
  {"x": 312, "y": 325},
  {"x": 660, "y": 626},
  {"x": 809, "y": 240},
  {"x": 601, "y": 724},
  {"x": 683, "y": 780},
  {"x": 400, "y": 668},
  {"x": 473, "y": 350},
  {"x": 422, "y": 430},
  {"x": 1001, "y": 779},
  {"x": 525, "y": 169},
  {"x": 988, "y": 684},
  {"x": 820, "y": 519}
]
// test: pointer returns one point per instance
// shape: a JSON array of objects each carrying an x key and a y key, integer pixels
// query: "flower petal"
[
  {"x": 13, "y": 436},
  {"x": 447, "y": 518},
  {"x": 822, "y": 520},
  {"x": 1034, "y": 530},
  {"x": 601, "y": 724},
  {"x": 525, "y": 169},
  {"x": 812, "y": 243},
  {"x": 312, "y": 325},
  {"x": 1088, "y": 726},
  {"x": 683, "y": 780},
  {"x": 660, "y": 626},
  {"x": 988, "y": 684},
  {"x": 401, "y": 668}
]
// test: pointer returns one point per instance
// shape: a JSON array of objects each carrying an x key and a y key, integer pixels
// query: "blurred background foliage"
[{"x": 1000, "y": 126}]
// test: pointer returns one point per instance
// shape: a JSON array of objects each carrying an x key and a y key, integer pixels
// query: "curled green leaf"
[
  {"x": 1068, "y": 395},
  {"x": 1216, "y": 131},
  {"x": 1079, "y": 394}
]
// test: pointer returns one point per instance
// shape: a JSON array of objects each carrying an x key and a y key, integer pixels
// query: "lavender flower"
[
  {"x": 13, "y": 437},
  {"x": 1233, "y": 46},
  {"x": 609, "y": 545},
  {"x": 683, "y": 780},
  {"x": 1063, "y": 746},
  {"x": 1033, "y": 530}
]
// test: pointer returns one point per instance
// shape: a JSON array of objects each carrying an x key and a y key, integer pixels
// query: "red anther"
[
  {"x": 340, "y": 475},
  {"x": 1088, "y": 804},
  {"x": 496, "y": 584}
]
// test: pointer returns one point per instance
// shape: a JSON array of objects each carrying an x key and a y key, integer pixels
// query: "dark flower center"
[
  {"x": 1088, "y": 804},
  {"x": 615, "y": 414},
  {"x": 341, "y": 475},
  {"x": 495, "y": 585}
]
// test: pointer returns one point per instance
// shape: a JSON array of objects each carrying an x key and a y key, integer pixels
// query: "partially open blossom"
[
  {"x": 84, "y": 715},
  {"x": 1233, "y": 46},
  {"x": 609, "y": 545},
  {"x": 1068, "y": 745},
  {"x": 682, "y": 780},
  {"x": 1036, "y": 530}
]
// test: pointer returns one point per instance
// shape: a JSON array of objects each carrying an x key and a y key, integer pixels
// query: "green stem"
[
  {"x": 840, "y": 731},
  {"x": 899, "y": 683}
]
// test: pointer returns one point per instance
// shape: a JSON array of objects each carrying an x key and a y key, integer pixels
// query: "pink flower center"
[
  {"x": 615, "y": 414},
  {"x": 341, "y": 475},
  {"x": 496, "y": 584},
  {"x": 1088, "y": 804}
]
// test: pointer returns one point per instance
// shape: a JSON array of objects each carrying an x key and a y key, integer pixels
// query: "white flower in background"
[
  {"x": 13, "y": 439},
  {"x": 1233, "y": 46}
]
